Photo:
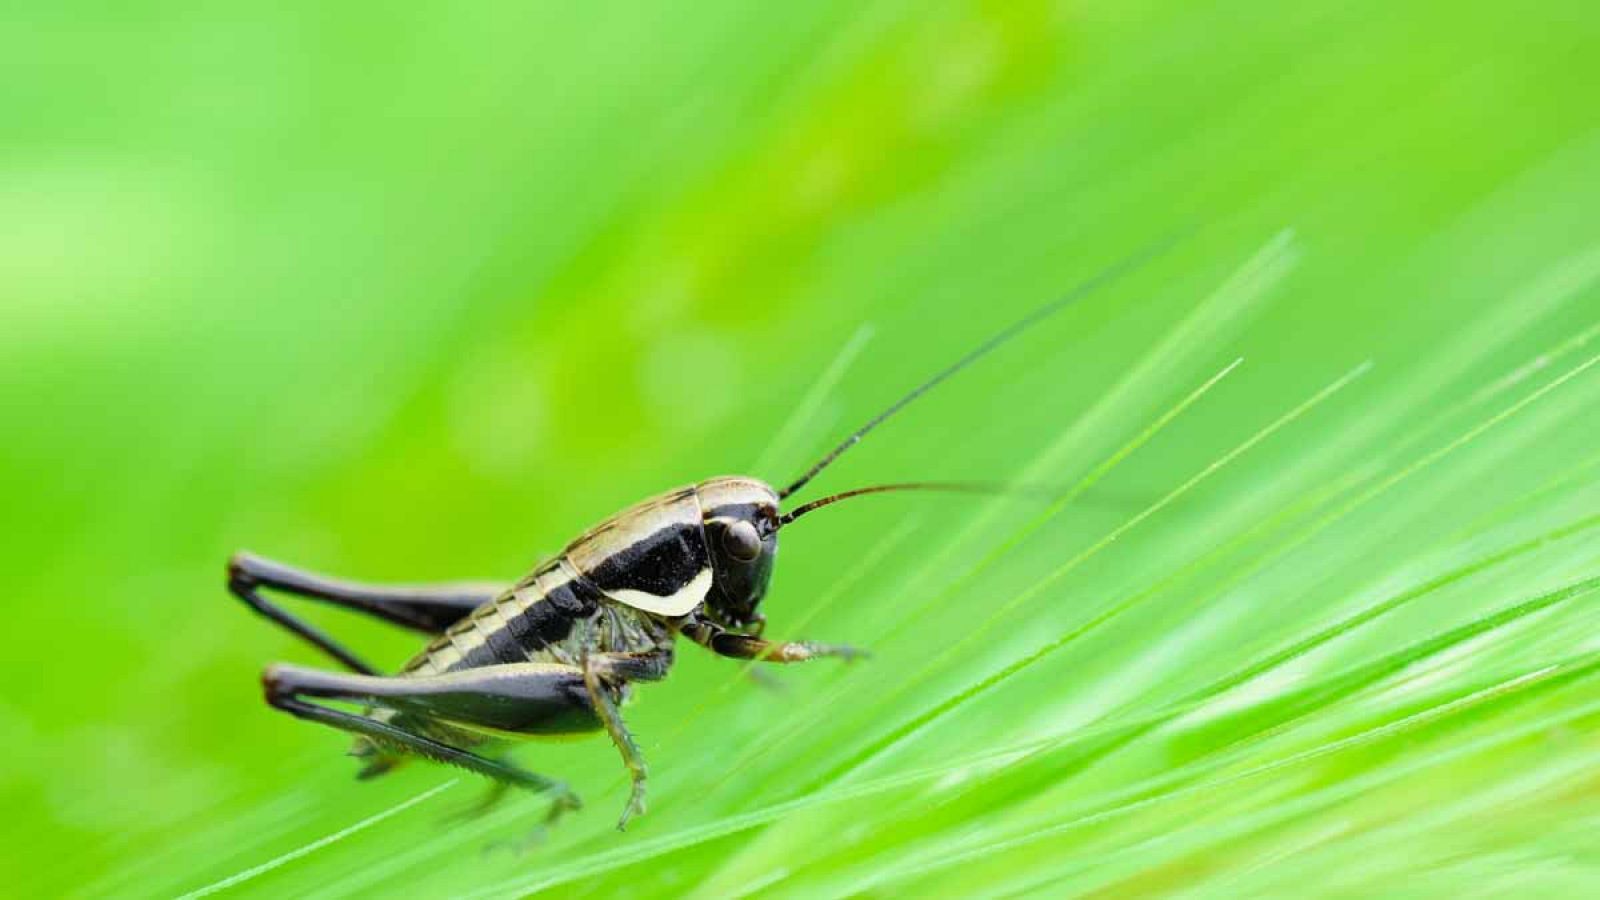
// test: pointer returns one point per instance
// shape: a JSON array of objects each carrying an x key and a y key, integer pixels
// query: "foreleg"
[{"x": 735, "y": 645}]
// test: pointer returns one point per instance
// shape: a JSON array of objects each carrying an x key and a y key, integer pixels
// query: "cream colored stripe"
[{"x": 684, "y": 600}]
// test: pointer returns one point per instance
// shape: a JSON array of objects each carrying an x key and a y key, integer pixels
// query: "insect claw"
[
  {"x": 564, "y": 801},
  {"x": 635, "y": 807},
  {"x": 842, "y": 651}
]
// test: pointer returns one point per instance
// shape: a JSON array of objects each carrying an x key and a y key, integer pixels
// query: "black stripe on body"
[
  {"x": 546, "y": 621},
  {"x": 518, "y": 627},
  {"x": 525, "y": 628},
  {"x": 662, "y": 563},
  {"x": 499, "y": 645}
]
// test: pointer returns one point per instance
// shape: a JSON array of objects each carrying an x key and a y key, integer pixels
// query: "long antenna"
[
  {"x": 946, "y": 487},
  {"x": 1103, "y": 277}
]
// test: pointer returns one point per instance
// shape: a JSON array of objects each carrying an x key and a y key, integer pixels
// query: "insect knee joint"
[
  {"x": 239, "y": 574},
  {"x": 275, "y": 686}
]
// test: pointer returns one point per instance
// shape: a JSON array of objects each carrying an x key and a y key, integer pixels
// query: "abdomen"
[{"x": 529, "y": 623}]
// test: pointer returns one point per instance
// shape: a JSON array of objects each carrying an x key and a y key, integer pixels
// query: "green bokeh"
[{"x": 419, "y": 292}]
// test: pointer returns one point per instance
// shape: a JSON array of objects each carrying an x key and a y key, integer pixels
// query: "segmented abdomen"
[{"x": 525, "y": 624}]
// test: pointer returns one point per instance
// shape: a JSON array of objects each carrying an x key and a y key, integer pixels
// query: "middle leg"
[{"x": 605, "y": 706}]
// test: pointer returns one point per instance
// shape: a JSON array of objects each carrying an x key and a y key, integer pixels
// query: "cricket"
[{"x": 558, "y": 652}]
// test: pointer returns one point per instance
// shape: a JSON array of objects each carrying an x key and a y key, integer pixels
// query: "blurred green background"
[{"x": 419, "y": 292}]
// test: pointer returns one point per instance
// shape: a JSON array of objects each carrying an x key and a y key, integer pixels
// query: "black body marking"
[
  {"x": 661, "y": 564},
  {"x": 549, "y": 620}
]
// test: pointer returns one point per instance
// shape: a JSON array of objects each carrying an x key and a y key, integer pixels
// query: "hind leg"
[
  {"x": 428, "y": 608},
  {"x": 520, "y": 697}
]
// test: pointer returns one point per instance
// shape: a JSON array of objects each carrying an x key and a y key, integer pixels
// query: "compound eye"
[{"x": 741, "y": 541}]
